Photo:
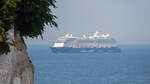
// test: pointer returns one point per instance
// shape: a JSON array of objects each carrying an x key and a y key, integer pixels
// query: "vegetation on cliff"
[{"x": 28, "y": 17}]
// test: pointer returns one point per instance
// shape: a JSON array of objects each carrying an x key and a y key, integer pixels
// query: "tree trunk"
[{"x": 16, "y": 67}]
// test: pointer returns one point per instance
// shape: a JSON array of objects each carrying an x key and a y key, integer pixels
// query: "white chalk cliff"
[{"x": 16, "y": 67}]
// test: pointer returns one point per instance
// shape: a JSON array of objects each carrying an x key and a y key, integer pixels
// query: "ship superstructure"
[{"x": 97, "y": 42}]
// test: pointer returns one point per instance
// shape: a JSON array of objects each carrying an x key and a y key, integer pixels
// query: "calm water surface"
[{"x": 132, "y": 66}]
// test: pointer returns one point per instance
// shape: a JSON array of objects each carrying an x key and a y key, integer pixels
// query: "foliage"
[
  {"x": 33, "y": 16},
  {"x": 4, "y": 48},
  {"x": 29, "y": 17}
]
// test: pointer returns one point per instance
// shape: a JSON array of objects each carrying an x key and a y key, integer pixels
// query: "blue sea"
[{"x": 131, "y": 66}]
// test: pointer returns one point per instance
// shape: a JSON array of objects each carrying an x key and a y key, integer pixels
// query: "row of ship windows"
[{"x": 92, "y": 45}]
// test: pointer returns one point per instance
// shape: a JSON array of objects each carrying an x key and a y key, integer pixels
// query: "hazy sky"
[{"x": 128, "y": 21}]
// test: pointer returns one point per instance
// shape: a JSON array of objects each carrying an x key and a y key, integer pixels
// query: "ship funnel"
[
  {"x": 68, "y": 35},
  {"x": 96, "y": 34}
]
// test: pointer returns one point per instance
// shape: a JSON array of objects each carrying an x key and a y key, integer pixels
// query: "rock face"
[{"x": 16, "y": 67}]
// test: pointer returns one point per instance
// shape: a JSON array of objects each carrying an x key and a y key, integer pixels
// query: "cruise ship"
[{"x": 97, "y": 43}]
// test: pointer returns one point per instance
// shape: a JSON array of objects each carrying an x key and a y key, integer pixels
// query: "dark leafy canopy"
[
  {"x": 29, "y": 17},
  {"x": 8, "y": 13},
  {"x": 33, "y": 15}
]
